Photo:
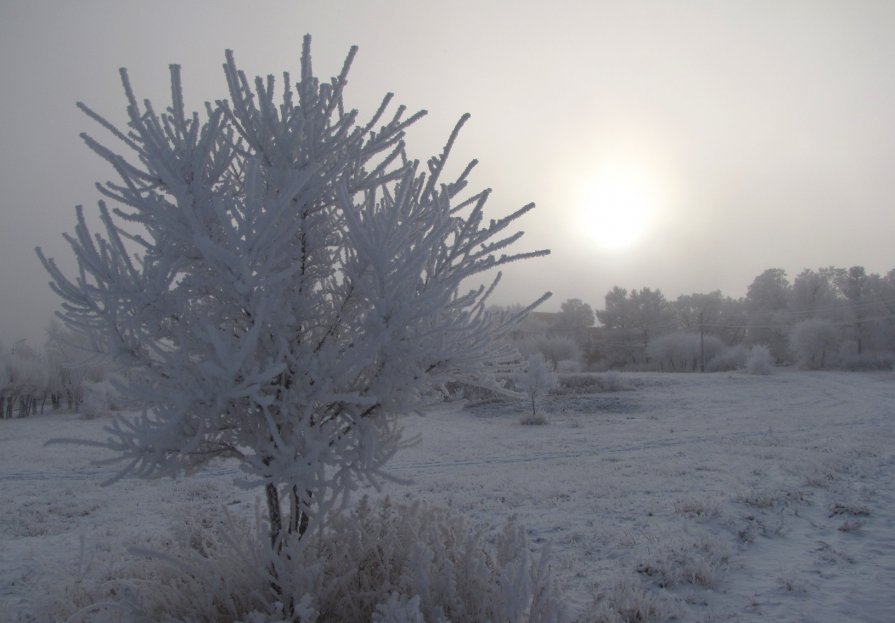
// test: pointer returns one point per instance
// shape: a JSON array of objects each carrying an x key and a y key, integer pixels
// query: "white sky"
[{"x": 758, "y": 134}]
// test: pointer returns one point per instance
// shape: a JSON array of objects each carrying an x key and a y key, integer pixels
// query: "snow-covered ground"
[{"x": 716, "y": 497}]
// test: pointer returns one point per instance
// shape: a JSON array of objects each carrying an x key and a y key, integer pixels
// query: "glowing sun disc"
[{"x": 618, "y": 207}]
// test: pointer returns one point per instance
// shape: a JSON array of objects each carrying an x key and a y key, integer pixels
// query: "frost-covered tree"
[
  {"x": 767, "y": 299},
  {"x": 288, "y": 281},
  {"x": 853, "y": 283},
  {"x": 814, "y": 293},
  {"x": 575, "y": 319},
  {"x": 813, "y": 341},
  {"x": 631, "y": 320},
  {"x": 535, "y": 381},
  {"x": 711, "y": 314}
]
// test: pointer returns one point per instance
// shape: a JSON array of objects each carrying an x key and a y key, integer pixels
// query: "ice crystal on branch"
[{"x": 288, "y": 280}]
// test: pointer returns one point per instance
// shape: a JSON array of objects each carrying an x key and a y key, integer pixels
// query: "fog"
[{"x": 750, "y": 135}]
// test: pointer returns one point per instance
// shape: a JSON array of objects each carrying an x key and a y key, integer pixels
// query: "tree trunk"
[
  {"x": 299, "y": 516},
  {"x": 298, "y": 524},
  {"x": 274, "y": 514}
]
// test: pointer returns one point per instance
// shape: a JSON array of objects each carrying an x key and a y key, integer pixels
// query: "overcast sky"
[{"x": 683, "y": 145}]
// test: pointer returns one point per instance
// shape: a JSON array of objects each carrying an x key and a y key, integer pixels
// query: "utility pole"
[{"x": 701, "y": 343}]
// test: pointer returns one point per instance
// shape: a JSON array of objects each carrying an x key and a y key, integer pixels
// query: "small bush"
[
  {"x": 695, "y": 560},
  {"x": 626, "y": 602},
  {"x": 699, "y": 508},
  {"x": 759, "y": 360},
  {"x": 578, "y": 384},
  {"x": 733, "y": 358},
  {"x": 534, "y": 419},
  {"x": 101, "y": 398}
]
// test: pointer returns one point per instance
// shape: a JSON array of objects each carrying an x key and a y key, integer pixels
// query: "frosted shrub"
[
  {"x": 100, "y": 398},
  {"x": 288, "y": 280},
  {"x": 535, "y": 381},
  {"x": 381, "y": 563},
  {"x": 580, "y": 383},
  {"x": 428, "y": 553},
  {"x": 731, "y": 358},
  {"x": 627, "y": 602},
  {"x": 759, "y": 360},
  {"x": 674, "y": 560}
]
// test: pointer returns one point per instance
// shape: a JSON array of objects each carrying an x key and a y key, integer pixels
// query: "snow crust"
[{"x": 720, "y": 496}]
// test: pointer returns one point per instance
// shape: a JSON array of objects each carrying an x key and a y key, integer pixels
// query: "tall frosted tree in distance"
[{"x": 288, "y": 280}]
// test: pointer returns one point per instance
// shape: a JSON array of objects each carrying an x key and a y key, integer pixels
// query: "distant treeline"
[
  {"x": 56, "y": 377},
  {"x": 824, "y": 318}
]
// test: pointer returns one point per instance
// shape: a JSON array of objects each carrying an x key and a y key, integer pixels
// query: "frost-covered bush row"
[
  {"x": 849, "y": 359},
  {"x": 683, "y": 352},
  {"x": 829, "y": 318},
  {"x": 592, "y": 383},
  {"x": 382, "y": 562},
  {"x": 687, "y": 352}
]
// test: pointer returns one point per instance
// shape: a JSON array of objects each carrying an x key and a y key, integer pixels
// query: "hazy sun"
[{"x": 618, "y": 206}]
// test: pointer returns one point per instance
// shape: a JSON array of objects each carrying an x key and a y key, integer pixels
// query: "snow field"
[{"x": 702, "y": 497}]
